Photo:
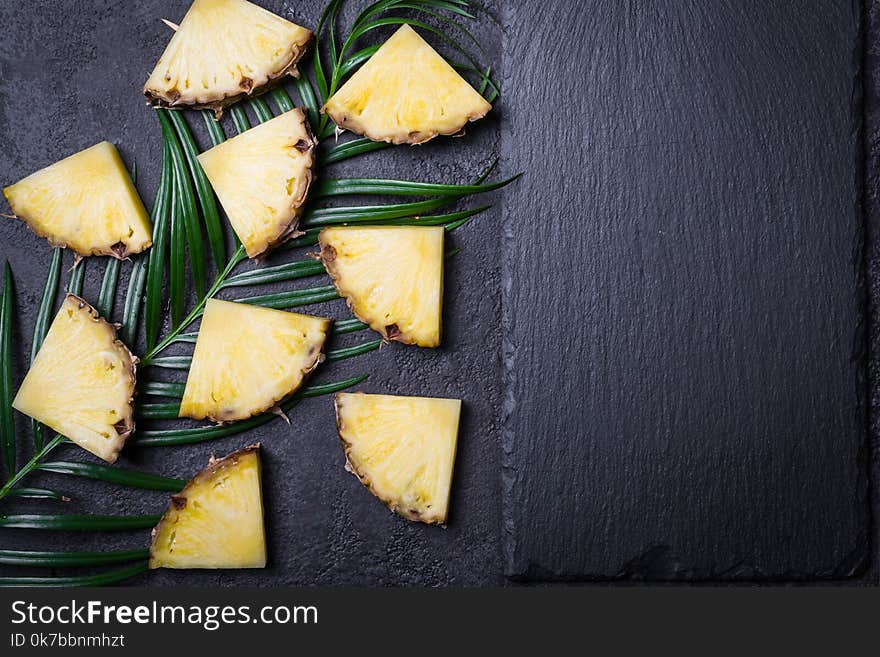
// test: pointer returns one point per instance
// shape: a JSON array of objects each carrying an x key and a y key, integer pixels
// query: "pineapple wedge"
[
  {"x": 262, "y": 178},
  {"x": 222, "y": 51},
  {"x": 392, "y": 278},
  {"x": 406, "y": 94},
  {"x": 402, "y": 449},
  {"x": 86, "y": 202},
  {"x": 249, "y": 358},
  {"x": 216, "y": 521},
  {"x": 81, "y": 382}
]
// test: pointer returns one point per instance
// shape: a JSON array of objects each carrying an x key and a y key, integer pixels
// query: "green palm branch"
[{"x": 188, "y": 230}]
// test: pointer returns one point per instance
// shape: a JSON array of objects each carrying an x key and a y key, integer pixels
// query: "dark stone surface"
[
  {"x": 744, "y": 457},
  {"x": 684, "y": 342},
  {"x": 70, "y": 75}
]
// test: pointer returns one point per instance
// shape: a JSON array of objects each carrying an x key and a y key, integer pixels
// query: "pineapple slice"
[
  {"x": 406, "y": 94},
  {"x": 262, "y": 178},
  {"x": 222, "y": 51},
  {"x": 249, "y": 358},
  {"x": 81, "y": 382},
  {"x": 402, "y": 449},
  {"x": 392, "y": 278},
  {"x": 86, "y": 202},
  {"x": 216, "y": 521}
]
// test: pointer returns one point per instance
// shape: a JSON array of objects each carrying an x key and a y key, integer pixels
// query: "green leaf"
[
  {"x": 278, "y": 274},
  {"x": 331, "y": 30},
  {"x": 41, "y": 324},
  {"x": 28, "y": 467},
  {"x": 361, "y": 29},
  {"x": 172, "y": 362},
  {"x": 168, "y": 437},
  {"x": 356, "y": 59},
  {"x": 421, "y": 5},
  {"x": 162, "y": 389},
  {"x": 215, "y": 130},
  {"x": 77, "y": 273},
  {"x": 76, "y": 522},
  {"x": 282, "y": 99},
  {"x": 308, "y": 99},
  {"x": 36, "y": 559},
  {"x": 204, "y": 192},
  {"x": 322, "y": 389},
  {"x": 158, "y": 411},
  {"x": 103, "y": 579},
  {"x": 350, "y": 149},
  {"x": 308, "y": 238},
  {"x": 114, "y": 475},
  {"x": 133, "y": 299},
  {"x": 328, "y": 18},
  {"x": 293, "y": 298},
  {"x": 239, "y": 118},
  {"x": 451, "y": 220},
  {"x": 371, "y": 10},
  {"x": 177, "y": 264},
  {"x": 189, "y": 215},
  {"x": 349, "y": 352},
  {"x": 343, "y": 326},
  {"x": 156, "y": 266},
  {"x": 485, "y": 80},
  {"x": 371, "y": 213},
  {"x": 7, "y": 421},
  {"x": 455, "y": 224},
  {"x": 383, "y": 213},
  {"x": 107, "y": 294},
  {"x": 189, "y": 338},
  {"x": 38, "y": 494},
  {"x": 457, "y": 6},
  {"x": 349, "y": 186},
  {"x": 261, "y": 109}
]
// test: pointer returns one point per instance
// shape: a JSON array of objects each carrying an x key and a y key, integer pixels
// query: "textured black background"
[
  {"x": 72, "y": 72},
  {"x": 70, "y": 75},
  {"x": 706, "y": 333}
]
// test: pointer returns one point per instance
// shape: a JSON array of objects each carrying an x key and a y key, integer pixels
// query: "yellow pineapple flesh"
[
  {"x": 392, "y": 278},
  {"x": 406, "y": 93},
  {"x": 82, "y": 381},
  {"x": 248, "y": 358},
  {"x": 262, "y": 179},
  {"x": 216, "y": 521},
  {"x": 223, "y": 50},
  {"x": 85, "y": 202},
  {"x": 402, "y": 449}
]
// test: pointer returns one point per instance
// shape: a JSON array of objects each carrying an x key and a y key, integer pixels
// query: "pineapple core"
[
  {"x": 406, "y": 94},
  {"x": 262, "y": 178},
  {"x": 223, "y": 50},
  {"x": 402, "y": 449},
  {"x": 82, "y": 381},
  {"x": 216, "y": 521},
  {"x": 392, "y": 278},
  {"x": 249, "y": 358},
  {"x": 86, "y": 202}
]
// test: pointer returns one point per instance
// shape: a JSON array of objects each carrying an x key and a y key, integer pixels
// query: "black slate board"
[{"x": 682, "y": 299}]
